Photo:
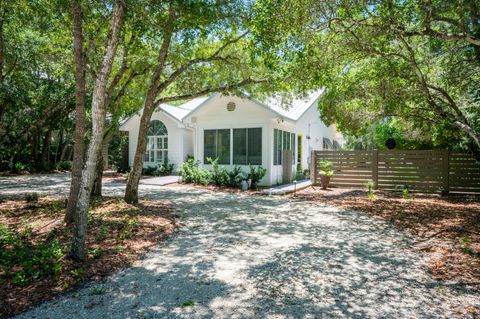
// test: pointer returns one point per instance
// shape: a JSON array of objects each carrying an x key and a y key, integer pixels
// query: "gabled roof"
[
  {"x": 180, "y": 112},
  {"x": 290, "y": 109}
]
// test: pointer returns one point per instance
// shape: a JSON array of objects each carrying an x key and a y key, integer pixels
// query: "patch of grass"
[
  {"x": 31, "y": 197},
  {"x": 97, "y": 252},
  {"x": 188, "y": 303},
  {"x": 466, "y": 243},
  {"x": 97, "y": 291}
]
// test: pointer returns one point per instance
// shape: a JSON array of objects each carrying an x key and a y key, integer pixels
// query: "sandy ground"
[{"x": 243, "y": 256}]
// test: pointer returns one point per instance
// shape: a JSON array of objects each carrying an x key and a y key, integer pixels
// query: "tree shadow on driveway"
[{"x": 243, "y": 256}]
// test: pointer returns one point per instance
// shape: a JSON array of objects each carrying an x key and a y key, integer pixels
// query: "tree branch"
[{"x": 223, "y": 88}]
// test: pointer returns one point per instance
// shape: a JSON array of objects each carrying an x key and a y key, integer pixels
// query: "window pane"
[
  {"x": 165, "y": 155},
  {"x": 279, "y": 147},
  {"x": 223, "y": 146},
  {"x": 240, "y": 146},
  {"x": 275, "y": 138},
  {"x": 292, "y": 147},
  {"x": 145, "y": 158},
  {"x": 165, "y": 142},
  {"x": 255, "y": 146},
  {"x": 159, "y": 157},
  {"x": 209, "y": 147},
  {"x": 159, "y": 142}
]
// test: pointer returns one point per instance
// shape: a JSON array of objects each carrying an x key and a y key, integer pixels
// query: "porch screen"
[
  {"x": 282, "y": 141},
  {"x": 216, "y": 144},
  {"x": 247, "y": 146}
]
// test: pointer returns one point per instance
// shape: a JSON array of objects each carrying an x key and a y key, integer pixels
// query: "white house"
[{"x": 239, "y": 131}]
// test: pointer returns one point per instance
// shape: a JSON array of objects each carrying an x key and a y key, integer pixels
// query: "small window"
[
  {"x": 157, "y": 143},
  {"x": 240, "y": 146},
  {"x": 327, "y": 144},
  {"x": 247, "y": 146},
  {"x": 217, "y": 145},
  {"x": 254, "y": 146}
]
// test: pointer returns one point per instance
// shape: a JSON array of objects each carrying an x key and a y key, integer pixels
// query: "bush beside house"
[{"x": 192, "y": 172}]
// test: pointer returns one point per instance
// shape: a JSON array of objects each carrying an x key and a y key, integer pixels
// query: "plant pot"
[{"x": 324, "y": 181}]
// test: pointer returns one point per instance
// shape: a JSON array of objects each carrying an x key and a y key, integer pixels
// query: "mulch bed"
[
  {"x": 446, "y": 228},
  {"x": 118, "y": 234}
]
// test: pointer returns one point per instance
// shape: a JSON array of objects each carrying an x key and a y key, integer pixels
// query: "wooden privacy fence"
[{"x": 422, "y": 171}]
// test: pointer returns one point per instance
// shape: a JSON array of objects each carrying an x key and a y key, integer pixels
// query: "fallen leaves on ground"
[{"x": 118, "y": 233}]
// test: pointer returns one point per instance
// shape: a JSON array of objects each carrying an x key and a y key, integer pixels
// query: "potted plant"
[{"x": 325, "y": 174}]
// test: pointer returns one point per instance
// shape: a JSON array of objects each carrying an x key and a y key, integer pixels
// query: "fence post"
[
  {"x": 313, "y": 171},
  {"x": 375, "y": 168},
  {"x": 446, "y": 171}
]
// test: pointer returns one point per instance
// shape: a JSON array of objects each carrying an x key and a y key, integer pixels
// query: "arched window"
[{"x": 157, "y": 143}]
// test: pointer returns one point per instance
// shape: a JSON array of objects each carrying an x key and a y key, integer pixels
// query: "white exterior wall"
[
  {"x": 247, "y": 114},
  {"x": 187, "y": 138},
  {"x": 310, "y": 124},
  {"x": 176, "y": 145}
]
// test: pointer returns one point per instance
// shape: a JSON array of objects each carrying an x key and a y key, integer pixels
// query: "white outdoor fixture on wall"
[{"x": 231, "y": 106}]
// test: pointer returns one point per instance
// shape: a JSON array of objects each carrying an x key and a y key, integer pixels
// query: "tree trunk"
[
  {"x": 106, "y": 145},
  {"x": 97, "y": 184},
  {"x": 63, "y": 154},
  {"x": 46, "y": 148},
  {"x": 131, "y": 191},
  {"x": 79, "y": 135},
  {"x": 99, "y": 110},
  {"x": 35, "y": 146},
  {"x": 2, "y": 18}
]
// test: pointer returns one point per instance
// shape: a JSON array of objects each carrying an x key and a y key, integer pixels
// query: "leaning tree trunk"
[
  {"x": 131, "y": 191},
  {"x": 99, "y": 110},
  {"x": 79, "y": 135},
  {"x": 102, "y": 163}
]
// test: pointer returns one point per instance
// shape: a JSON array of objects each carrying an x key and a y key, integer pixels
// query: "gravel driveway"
[{"x": 241, "y": 256}]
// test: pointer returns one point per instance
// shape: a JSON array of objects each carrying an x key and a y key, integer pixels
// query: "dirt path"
[{"x": 243, "y": 256}]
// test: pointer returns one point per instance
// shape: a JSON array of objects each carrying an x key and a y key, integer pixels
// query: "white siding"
[
  {"x": 175, "y": 137},
  {"x": 247, "y": 114},
  {"x": 187, "y": 138},
  {"x": 187, "y": 143},
  {"x": 311, "y": 125}
]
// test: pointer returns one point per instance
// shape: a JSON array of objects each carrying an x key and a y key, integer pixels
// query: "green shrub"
[
  {"x": 64, "y": 166},
  {"x": 218, "y": 174},
  {"x": 17, "y": 168},
  {"x": 234, "y": 176},
  {"x": 256, "y": 174},
  {"x": 129, "y": 227},
  {"x": 164, "y": 169},
  {"x": 31, "y": 197},
  {"x": 326, "y": 170},
  {"x": 149, "y": 170},
  {"x": 191, "y": 172},
  {"x": 370, "y": 187},
  {"x": 23, "y": 261}
]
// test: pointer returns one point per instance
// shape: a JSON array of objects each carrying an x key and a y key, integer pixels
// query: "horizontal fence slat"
[{"x": 421, "y": 170}]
